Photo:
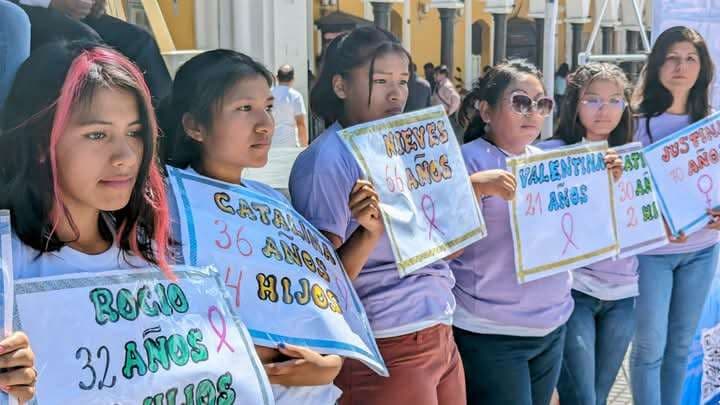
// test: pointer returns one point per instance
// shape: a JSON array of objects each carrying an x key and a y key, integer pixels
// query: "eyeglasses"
[
  {"x": 596, "y": 103},
  {"x": 522, "y": 104}
]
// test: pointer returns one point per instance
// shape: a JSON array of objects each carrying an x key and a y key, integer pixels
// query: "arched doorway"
[
  {"x": 480, "y": 31},
  {"x": 521, "y": 39}
]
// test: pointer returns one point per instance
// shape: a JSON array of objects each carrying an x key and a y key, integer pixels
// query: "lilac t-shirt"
[
  {"x": 490, "y": 299},
  {"x": 609, "y": 279},
  {"x": 320, "y": 184},
  {"x": 660, "y": 127}
]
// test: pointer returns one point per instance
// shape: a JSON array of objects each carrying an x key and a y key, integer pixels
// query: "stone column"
[
  {"x": 447, "y": 28},
  {"x": 381, "y": 14},
  {"x": 500, "y": 35}
]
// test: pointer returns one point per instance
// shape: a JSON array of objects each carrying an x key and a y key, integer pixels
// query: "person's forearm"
[
  {"x": 303, "y": 135},
  {"x": 355, "y": 252}
]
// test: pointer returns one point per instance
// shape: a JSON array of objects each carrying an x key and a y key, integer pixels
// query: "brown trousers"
[{"x": 425, "y": 369}]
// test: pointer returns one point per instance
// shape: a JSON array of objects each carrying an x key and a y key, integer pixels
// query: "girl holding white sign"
[
  {"x": 602, "y": 324},
  {"x": 219, "y": 122},
  {"x": 364, "y": 78},
  {"x": 673, "y": 92},
  {"x": 510, "y": 335},
  {"x": 78, "y": 172}
]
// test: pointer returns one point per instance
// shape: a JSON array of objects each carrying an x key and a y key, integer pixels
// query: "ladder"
[{"x": 587, "y": 56}]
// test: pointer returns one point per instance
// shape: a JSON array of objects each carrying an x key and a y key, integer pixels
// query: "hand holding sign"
[
  {"x": 19, "y": 360},
  {"x": 276, "y": 267},
  {"x": 427, "y": 203},
  {"x": 685, "y": 168},
  {"x": 614, "y": 164},
  {"x": 637, "y": 216},
  {"x": 496, "y": 182},
  {"x": 365, "y": 207},
  {"x": 304, "y": 367}
]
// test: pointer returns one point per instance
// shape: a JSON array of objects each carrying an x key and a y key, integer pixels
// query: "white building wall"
[{"x": 271, "y": 31}]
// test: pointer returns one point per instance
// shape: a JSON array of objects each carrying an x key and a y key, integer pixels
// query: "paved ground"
[{"x": 620, "y": 394}]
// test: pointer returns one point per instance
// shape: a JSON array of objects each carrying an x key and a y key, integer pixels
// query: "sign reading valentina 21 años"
[{"x": 557, "y": 192}]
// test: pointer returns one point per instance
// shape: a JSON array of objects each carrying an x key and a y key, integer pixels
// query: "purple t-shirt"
[
  {"x": 660, "y": 127},
  {"x": 320, "y": 184},
  {"x": 609, "y": 279},
  {"x": 490, "y": 299}
]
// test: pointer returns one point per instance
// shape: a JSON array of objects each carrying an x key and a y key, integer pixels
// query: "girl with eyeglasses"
[
  {"x": 673, "y": 92},
  {"x": 510, "y": 335},
  {"x": 603, "y": 321}
]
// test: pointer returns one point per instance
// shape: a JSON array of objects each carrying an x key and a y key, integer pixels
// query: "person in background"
[
  {"x": 444, "y": 93},
  {"x": 429, "y": 70},
  {"x": 560, "y": 85},
  {"x": 419, "y": 92},
  {"x": 14, "y": 44},
  {"x": 485, "y": 70},
  {"x": 289, "y": 111},
  {"x": 53, "y": 20}
]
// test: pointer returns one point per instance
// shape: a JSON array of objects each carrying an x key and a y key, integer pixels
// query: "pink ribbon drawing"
[
  {"x": 220, "y": 334},
  {"x": 429, "y": 218},
  {"x": 568, "y": 222}
]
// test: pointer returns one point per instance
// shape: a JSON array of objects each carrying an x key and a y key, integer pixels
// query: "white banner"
[
  {"x": 287, "y": 282},
  {"x": 562, "y": 217},
  {"x": 686, "y": 174},
  {"x": 133, "y": 337},
  {"x": 428, "y": 205},
  {"x": 639, "y": 223}
]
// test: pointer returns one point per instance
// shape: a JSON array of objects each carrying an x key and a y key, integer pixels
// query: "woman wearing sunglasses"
[
  {"x": 603, "y": 321},
  {"x": 510, "y": 335}
]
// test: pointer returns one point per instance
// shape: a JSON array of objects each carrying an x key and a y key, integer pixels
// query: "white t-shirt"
[
  {"x": 288, "y": 104},
  {"x": 27, "y": 263}
]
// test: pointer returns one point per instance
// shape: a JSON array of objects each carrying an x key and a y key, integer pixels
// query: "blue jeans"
[
  {"x": 501, "y": 370},
  {"x": 14, "y": 44},
  {"x": 673, "y": 289},
  {"x": 598, "y": 335}
]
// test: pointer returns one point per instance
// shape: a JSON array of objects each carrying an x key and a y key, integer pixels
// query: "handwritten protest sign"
[
  {"x": 286, "y": 280},
  {"x": 428, "y": 205},
  {"x": 639, "y": 223},
  {"x": 133, "y": 337},
  {"x": 557, "y": 194},
  {"x": 6, "y": 284},
  {"x": 686, "y": 174}
]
